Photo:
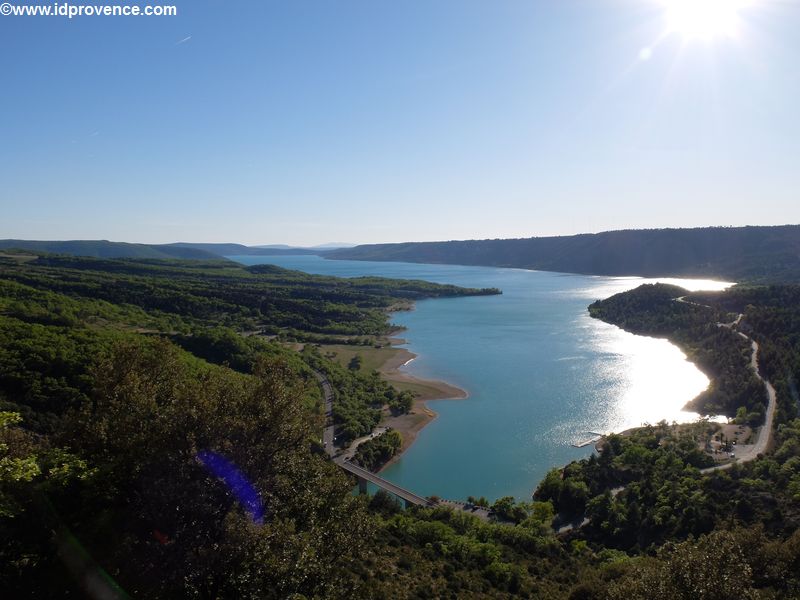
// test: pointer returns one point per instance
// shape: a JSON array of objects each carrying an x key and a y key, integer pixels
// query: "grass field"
[
  {"x": 372, "y": 359},
  {"x": 387, "y": 360}
]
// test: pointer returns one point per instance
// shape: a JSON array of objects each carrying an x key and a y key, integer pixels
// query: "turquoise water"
[{"x": 539, "y": 371}]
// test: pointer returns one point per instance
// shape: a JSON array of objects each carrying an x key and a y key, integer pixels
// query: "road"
[
  {"x": 343, "y": 461},
  {"x": 765, "y": 435},
  {"x": 350, "y": 452},
  {"x": 748, "y": 452},
  {"x": 744, "y": 453},
  {"x": 328, "y": 432}
]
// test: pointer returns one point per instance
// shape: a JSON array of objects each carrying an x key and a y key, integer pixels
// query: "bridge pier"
[{"x": 363, "y": 476}]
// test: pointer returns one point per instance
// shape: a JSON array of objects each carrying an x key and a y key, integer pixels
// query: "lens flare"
[{"x": 244, "y": 491}]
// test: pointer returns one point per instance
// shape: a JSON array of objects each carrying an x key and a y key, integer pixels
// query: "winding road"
[
  {"x": 744, "y": 452},
  {"x": 767, "y": 431},
  {"x": 748, "y": 452}
]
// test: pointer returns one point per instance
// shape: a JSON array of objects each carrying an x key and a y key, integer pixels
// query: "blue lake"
[{"x": 540, "y": 373}]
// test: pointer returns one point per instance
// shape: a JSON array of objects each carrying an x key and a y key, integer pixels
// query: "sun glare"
[{"x": 704, "y": 19}]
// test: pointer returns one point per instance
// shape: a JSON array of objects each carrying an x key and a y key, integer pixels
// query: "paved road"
[
  {"x": 350, "y": 452},
  {"x": 765, "y": 434},
  {"x": 328, "y": 432},
  {"x": 748, "y": 452},
  {"x": 744, "y": 453}
]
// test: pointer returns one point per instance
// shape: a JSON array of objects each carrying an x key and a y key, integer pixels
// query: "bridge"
[{"x": 362, "y": 475}]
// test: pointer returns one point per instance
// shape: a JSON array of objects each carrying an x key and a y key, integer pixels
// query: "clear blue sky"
[{"x": 365, "y": 121}]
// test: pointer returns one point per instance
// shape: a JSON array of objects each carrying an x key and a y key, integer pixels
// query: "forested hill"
[
  {"x": 152, "y": 445},
  {"x": 106, "y": 249},
  {"x": 261, "y": 298},
  {"x": 241, "y": 249},
  {"x": 179, "y": 250},
  {"x": 736, "y": 253},
  {"x": 133, "y": 391}
]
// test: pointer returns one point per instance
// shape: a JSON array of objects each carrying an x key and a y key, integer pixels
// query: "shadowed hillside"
[
  {"x": 106, "y": 249},
  {"x": 180, "y": 250},
  {"x": 736, "y": 253}
]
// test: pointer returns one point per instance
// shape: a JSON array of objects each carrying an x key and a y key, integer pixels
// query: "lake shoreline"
[
  {"x": 421, "y": 415},
  {"x": 388, "y": 358},
  {"x": 529, "y": 400}
]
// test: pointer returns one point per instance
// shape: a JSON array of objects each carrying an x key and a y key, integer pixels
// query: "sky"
[{"x": 361, "y": 121}]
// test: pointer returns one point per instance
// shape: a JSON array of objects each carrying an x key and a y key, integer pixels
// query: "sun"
[{"x": 704, "y": 19}]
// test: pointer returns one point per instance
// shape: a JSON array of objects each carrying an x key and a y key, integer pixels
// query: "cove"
[{"x": 540, "y": 373}]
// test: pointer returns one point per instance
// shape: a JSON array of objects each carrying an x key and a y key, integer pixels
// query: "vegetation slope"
[
  {"x": 758, "y": 254},
  {"x": 149, "y": 449}
]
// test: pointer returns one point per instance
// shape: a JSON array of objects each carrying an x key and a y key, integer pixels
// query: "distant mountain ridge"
[
  {"x": 758, "y": 254},
  {"x": 107, "y": 249},
  {"x": 754, "y": 254},
  {"x": 179, "y": 250},
  {"x": 328, "y": 246},
  {"x": 241, "y": 249}
]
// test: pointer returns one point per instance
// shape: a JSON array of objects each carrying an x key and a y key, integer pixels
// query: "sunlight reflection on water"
[
  {"x": 609, "y": 286},
  {"x": 653, "y": 379},
  {"x": 540, "y": 372}
]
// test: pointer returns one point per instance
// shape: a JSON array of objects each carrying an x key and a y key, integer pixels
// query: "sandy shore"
[
  {"x": 426, "y": 389},
  {"x": 409, "y": 425}
]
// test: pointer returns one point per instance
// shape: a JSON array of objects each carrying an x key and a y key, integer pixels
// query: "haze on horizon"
[{"x": 305, "y": 123}]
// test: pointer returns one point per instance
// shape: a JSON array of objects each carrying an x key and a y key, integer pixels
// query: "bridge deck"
[
  {"x": 384, "y": 484},
  {"x": 328, "y": 439}
]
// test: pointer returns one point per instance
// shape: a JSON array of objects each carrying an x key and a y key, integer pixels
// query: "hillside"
[
  {"x": 106, "y": 249},
  {"x": 240, "y": 249},
  {"x": 150, "y": 443},
  {"x": 718, "y": 351},
  {"x": 216, "y": 292},
  {"x": 757, "y": 254},
  {"x": 179, "y": 250},
  {"x": 126, "y": 385}
]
